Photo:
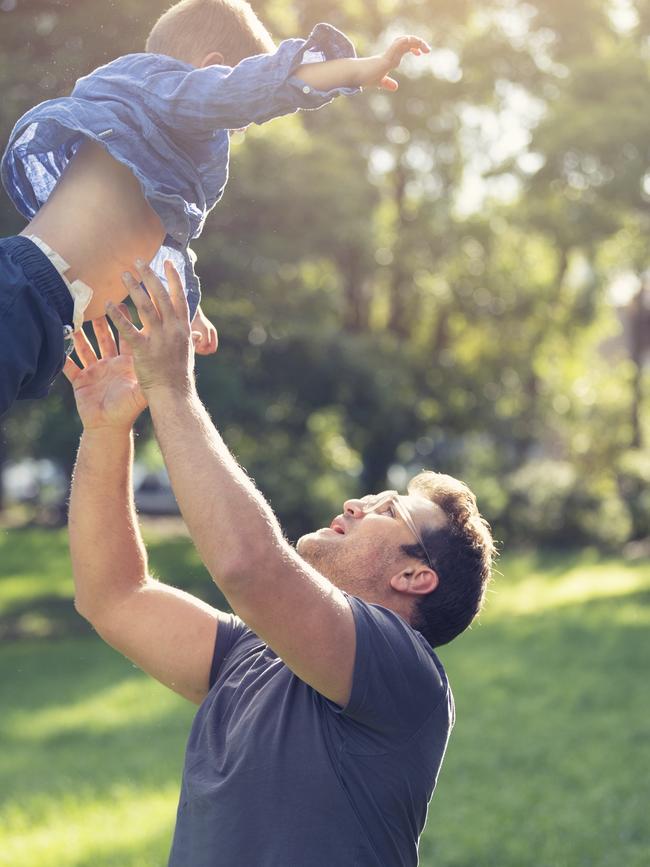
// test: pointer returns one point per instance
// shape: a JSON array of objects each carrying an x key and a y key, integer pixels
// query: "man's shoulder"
[
  {"x": 398, "y": 681},
  {"x": 234, "y": 645},
  {"x": 395, "y": 629}
]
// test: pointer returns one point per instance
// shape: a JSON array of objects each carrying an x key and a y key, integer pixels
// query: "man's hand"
[
  {"x": 373, "y": 71},
  {"x": 204, "y": 334},
  {"x": 106, "y": 389},
  {"x": 162, "y": 349}
]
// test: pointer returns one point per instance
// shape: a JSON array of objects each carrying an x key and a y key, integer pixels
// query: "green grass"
[
  {"x": 548, "y": 765},
  {"x": 92, "y": 754}
]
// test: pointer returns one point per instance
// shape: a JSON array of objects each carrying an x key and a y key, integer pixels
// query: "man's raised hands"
[{"x": 163, "y": 350}]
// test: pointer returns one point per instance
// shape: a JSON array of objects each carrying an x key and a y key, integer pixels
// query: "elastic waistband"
[{"x": 42, "y": 274}]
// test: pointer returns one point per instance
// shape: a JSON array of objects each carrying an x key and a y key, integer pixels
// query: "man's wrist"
[
  {"x": 104, "y": 433},
  {"x": 172, "y": 391}
]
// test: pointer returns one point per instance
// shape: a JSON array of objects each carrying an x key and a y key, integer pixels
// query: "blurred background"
[{"x": 454, "y": 277}]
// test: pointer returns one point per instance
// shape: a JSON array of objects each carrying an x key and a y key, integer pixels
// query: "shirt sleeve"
[
  {"x": 398, "y": 681},
  {"x": 259, "y": 88},
  {"x": 230, "y": 631}
]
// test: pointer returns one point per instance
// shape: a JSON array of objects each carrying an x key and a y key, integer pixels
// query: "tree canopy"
[{"x": 455, "y": 276}]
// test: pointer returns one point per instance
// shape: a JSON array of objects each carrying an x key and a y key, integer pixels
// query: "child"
[{"x": 131, "y": 163}]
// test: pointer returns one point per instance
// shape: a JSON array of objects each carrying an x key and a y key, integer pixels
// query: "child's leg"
[{"x": 33, "y": 309}]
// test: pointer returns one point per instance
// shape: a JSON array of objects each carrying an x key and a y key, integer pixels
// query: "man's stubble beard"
[
  {"x": 344, "y": 568},
  {"x": 317, "y": 555}
]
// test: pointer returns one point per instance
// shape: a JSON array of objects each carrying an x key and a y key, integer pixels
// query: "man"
[{"x": 324, "y": 711}]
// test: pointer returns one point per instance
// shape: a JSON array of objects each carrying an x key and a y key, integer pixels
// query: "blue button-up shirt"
[{"x": 168, "y": 122}]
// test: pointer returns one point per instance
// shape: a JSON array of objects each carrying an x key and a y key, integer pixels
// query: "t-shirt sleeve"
[
  {"x": 230, "y": 631},
  {"x": 397, "y": 681}
]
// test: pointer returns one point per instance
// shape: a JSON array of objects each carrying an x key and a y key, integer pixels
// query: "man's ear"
[
  {"x": 416, "y": 581},
  {"x": 214, "y": 58}
]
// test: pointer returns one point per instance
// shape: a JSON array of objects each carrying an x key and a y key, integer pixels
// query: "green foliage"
[
  {"x": 552, "y": 503},
  {"x": 382, "y": 303},
  {"x": 36, "y": 588}
]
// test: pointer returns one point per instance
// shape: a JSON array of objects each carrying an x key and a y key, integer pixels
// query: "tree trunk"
[
  {"x": 355, "y": 314},
  {"x": 399, "y": 284},
  {"x": 377, "y": 458}
]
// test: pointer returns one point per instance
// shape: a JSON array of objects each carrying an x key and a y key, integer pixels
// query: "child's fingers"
[
  {"x": 147, "y": 310},
  {"x": 405, "y": 44},
  {"x": 414, "y": 43},
  {"x": 398, "y": 48},
  {"x": 176, "y": 291},
  {"x": 156, "y": 290},
  {"x": 70, "y": 370},
  {"x": 207, "y": 345},
  {"x": 84, "y": 349},
  {"x": 126, "y": 329},
  {"x": 388, "y": 83},
  {"x": 105, "y": 338}
]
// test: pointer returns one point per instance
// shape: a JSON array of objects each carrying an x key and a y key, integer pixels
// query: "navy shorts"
[{"x": 35, "y": 305}]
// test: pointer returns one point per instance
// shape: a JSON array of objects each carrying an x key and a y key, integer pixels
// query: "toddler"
[{"x": 129, "y": 165}]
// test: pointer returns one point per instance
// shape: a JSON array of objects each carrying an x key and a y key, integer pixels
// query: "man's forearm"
[
  {"x": 108, "y": 555},
  {"x": 230, "y": 522}
]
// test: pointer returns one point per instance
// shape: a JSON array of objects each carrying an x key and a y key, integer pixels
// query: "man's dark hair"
[
  {"x": 462, "y": 552},
  {"x": 192, "y": 29}
]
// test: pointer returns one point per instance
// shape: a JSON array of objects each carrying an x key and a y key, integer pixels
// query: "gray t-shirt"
[{"x": 276, "y": 775}]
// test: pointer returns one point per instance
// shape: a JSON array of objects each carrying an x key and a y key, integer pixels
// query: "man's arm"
[
  {"x": 299, "y": 613},
  {"x": 166, "y": 632}
]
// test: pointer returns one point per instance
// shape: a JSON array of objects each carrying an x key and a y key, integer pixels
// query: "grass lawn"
[{"x": 548, "y": 765}]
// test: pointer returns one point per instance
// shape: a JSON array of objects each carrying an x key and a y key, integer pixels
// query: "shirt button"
[{"x": 306, "y": 89}]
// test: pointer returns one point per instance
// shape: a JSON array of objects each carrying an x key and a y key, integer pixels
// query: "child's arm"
[
  {"x": 362, "y": 71},
  {"x": 198, "y": 102}
]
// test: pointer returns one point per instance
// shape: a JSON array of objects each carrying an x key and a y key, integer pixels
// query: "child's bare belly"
[{"x": 98, "y": 220}]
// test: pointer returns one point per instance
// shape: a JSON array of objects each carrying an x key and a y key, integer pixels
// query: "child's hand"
[
  {"x": 362, "y": 71},
  {"x": 207, "y": 339},
  {"x": 373, "y": 71}
]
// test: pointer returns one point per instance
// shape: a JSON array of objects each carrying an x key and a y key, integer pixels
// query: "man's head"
[
  {"x": 427, "y": 555},
  {"x": 210, "y": 31}
]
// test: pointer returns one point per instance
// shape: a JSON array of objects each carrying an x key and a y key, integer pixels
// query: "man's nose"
[{"x": 354, "y": 508}]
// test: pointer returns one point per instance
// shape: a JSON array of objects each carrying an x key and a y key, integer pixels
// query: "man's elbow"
[
  {"x": 230, "y": 572},
  {"x": 101, "y": 610},
  {"x": 85, "y": 609},
  {"x": 98, "y": 616},
  {"x": 248, "y": 565}
]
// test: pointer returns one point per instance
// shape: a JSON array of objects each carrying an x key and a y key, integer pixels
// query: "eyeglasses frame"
[{"x": 393, "y": 497}]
